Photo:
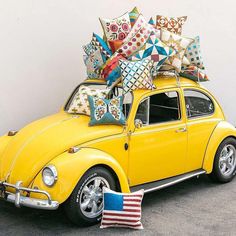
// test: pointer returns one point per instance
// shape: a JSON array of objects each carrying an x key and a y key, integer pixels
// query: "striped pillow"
[{"x": 122, "y": 209}]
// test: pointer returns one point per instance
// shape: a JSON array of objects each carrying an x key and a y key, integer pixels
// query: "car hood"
[{"x": 38, "y": 143}]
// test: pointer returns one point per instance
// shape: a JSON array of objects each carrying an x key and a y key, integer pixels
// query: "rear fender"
[{"x": 221, "y": 132}]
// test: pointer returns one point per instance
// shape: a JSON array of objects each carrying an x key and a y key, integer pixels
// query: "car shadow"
[{"x": 46, "y": 222}]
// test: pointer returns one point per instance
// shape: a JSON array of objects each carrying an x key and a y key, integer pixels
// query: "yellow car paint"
[{"x": 154, "y": 152}]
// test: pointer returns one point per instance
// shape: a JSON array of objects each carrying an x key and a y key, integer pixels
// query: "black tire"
[
  {"x": 216, "y": 174},
  {"x": 72, "y": 205}
]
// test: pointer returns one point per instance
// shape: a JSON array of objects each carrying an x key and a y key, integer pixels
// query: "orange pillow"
[{"x": 115, "y": 44}]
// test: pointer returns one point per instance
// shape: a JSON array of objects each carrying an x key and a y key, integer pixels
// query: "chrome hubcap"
[
  {"x": 91, "y": 197},
  {"x": 227, "y": 161}
]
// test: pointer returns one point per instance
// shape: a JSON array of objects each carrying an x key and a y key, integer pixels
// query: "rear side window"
[
  {"x": 197, "y": 104},
  {"x": 159, "y": 108}
]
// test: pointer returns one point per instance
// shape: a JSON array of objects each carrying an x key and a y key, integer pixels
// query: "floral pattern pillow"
[
  {"x": 80, "y": 104},
  {"x": 136, "y": 75},
  {"x": 179, "y": 44},
  {"x": 116, "y": 29},
  {"x": 172, "y": 24},
  {"x": 106, "y": 111}
]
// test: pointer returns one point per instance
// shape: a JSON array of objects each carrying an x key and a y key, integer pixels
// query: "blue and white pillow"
[
  {"x": 122, "y": 209},
  {"x": 193, "y": 53},
  {"x": 106, "y": 111}
]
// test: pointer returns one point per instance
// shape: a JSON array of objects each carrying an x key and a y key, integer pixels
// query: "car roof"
[{"x": 161, "y": 82}]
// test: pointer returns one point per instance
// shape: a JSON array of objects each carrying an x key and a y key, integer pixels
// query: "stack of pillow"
[{"x": 134, "y": 51}]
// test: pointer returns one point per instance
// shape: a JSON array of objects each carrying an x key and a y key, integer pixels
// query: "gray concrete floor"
[{"x": 194, "y": 207}]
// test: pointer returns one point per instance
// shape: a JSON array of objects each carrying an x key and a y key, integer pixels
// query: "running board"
[{"x": 157, "y": 185}]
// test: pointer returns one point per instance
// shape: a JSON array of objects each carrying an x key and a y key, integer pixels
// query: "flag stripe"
[
  {"x": 119, "y": 214},
  {"x": 120, "y": 220}
]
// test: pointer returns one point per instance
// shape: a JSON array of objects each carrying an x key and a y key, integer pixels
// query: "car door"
[
  {"x": 158, "y": 148},
  {"x": 200, "y": 109}
]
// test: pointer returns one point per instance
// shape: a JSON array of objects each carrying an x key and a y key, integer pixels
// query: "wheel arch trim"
[{"x": 222, "y": 131}]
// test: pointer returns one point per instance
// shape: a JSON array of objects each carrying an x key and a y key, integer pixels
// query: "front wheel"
[
  {"x": 224, "y": 167},
  {"x": 84, "y": 206}
]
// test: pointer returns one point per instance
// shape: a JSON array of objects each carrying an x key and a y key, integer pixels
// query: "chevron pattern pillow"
[{"x": 136, "y": 75}]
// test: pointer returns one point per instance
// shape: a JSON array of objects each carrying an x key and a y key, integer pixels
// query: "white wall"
[{"x": 41, "y": 55}]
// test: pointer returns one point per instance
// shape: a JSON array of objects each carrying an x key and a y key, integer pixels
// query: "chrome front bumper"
[{"x": 19, "y": 200}]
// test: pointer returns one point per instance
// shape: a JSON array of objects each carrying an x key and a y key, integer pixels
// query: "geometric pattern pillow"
[
  {"x": 93, "y": 63},
  {"x": 151, "y": 21},
  {"x": 193, "y": 53},
  {"x": 106, "y": 111},
  {"x": 136, "y": 75},
  {"x": 122, "y": 209},
  {"x": 179, "y": 44},
  {"x": 172, "y": 24},
  {"x": 194, "y": 73},
  {"x": 80, "y": 104},
  {"x": 97, "y": 43},
  {"x": 115, "y": 45},
  {"x": 133, "y": 15},
  {"x": 154, "y": 50},
  {"x": 116, "y": 29},
  {"x": 111, "y": 70}
]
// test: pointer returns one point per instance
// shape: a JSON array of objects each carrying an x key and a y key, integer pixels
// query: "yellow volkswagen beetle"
[{"x": 173, "y": 133}]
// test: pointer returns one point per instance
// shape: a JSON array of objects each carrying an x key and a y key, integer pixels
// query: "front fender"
[
  {"x": 71, "y": 167},
  {"x": 222, "y": 131}
]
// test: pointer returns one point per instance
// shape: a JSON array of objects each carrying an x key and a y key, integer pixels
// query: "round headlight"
[{"x": 49, "y": 175}]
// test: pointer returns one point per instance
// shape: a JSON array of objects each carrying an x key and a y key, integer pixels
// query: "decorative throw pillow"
[
  {"x": 172, "y": 24},
  {"x": 106, "y": 111},
  {"x": 122, "y": 209},
  {"x": 93, "y": 64},
  {"x": 97, "y": 43},
  {"x": 136, "y": 43},
  {"x": 111, "y": 71},
  {"x": 185, "y": 61},
  {"x": 151, "y": 21},
  {"x": 115, "y": 44},
  {"x": 136, "y": 75},
  {"x": 133, "y": 16},
  {"x": 177, "y": 42},
  {"x": 154, "y": 50},
  {"x": 80, "y": 102},
  {"x": 194, "y": 73},
  {"x": 193, "y": 53},
  {"x": 117, "y": 28}
]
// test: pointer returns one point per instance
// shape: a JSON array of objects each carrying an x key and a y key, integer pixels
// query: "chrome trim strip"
[{"x": 175, "y": 181}]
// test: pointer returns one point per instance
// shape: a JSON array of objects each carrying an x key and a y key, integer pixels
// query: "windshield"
[{"x": 115, "y": 92}]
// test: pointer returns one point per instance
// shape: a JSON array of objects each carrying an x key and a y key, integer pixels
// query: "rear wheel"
[
  {"x": 84, "y": 206},
  {"x": 224, "y": 167}
]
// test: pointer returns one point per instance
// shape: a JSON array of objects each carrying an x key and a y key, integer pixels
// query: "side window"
[
  {"x": 158, "y": 108},
  {"x": 197, "y": 104}
]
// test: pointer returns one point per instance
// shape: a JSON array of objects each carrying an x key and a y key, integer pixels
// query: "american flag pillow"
[{"x": 122, "y": 209}]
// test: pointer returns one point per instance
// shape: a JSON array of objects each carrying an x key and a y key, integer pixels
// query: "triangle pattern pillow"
[
  {"x": 133, "y": 15},
  {"x": 179, "y": 44},
  {"x": 194, "y": 73},
  {"x": 80, "y": 104},
  {"x": 136, "y": 75},
  {"x": 155, "y": 50},
  {"x": 95, "y": 44},
  {"x": 117, "y": 28},
  {"x": 172, "y": 24}
]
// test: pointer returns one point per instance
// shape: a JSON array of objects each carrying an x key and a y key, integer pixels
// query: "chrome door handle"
[{"x": 181, "y": 130}]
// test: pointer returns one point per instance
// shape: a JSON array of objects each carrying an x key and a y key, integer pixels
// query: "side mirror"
[{"x": 138, "y": 123}]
